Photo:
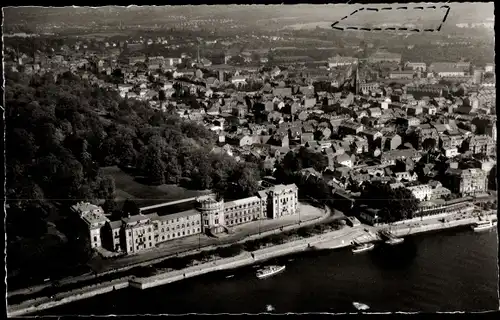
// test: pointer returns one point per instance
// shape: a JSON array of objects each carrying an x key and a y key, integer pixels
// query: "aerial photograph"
[{"x": 250, "y": 159}]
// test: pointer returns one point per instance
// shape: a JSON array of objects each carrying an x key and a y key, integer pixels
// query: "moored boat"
[
  {"x": 360, "y": 306},
  {"x": 269, "y": 271},
  {"x": 394, "y": 241},
  {"x": 484, "y": 225},
  {"x": 363, "y": 247},
  {"x": 270, "y": 308}
]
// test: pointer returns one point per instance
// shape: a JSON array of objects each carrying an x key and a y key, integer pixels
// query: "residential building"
[
  {"x": 419, "y": 92},
  {"x": 422, "y": 192},
  {"x": 416, "y": 66},
  {"x": 93, "y": 219},
  {"x": 403, "y": 74},
  {"x": 449, "y": 69},
  {"x": 467, "y": 181},
  {"x": 479, "y": 144},
  {"x": 350, "y": 127},
  {"x": 490, "y": 67},
  {"x": 339, "y": 61},
  {"x": 390, "y": 157},
  {"x": 138, "y": 233}
]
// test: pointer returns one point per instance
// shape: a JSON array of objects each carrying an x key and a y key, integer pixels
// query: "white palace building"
[{"x": 209, "y": 214}]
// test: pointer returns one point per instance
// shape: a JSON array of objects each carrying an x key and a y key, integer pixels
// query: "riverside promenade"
[
  {"x": 191, "y": 245},
  {"x": 330, "y": 240}
]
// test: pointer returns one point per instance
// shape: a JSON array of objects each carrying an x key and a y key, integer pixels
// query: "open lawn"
[{"x": 127, "y": 187}]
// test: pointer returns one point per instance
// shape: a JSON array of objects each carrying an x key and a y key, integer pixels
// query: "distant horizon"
[{"x": 459, "y": 11}]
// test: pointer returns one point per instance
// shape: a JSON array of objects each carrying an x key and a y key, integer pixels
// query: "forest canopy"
[{"x": 61, "y": 131}]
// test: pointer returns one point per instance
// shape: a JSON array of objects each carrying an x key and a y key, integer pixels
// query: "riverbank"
[
  {"x": 331, "y": 240},
  {"x": 44, "y": 303},
  {"x": 158, "y": 255},
  {"x": 244, "y": 259},
  {"x": 439, "y": 226}
]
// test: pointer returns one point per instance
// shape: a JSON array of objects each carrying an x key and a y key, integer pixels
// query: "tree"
[
  {"x": 291, "y": 162},
  {"x": 236, "y": 60},
  {"x": 154, "y": 168},
  {"x": 244, "y": 182},
  {"x": 162, "y": 95},
  {"x": 106, "y": 188},
  {"x": 130, "y": 208},
  {"x": 110, "y": 206},
  {"x": 492, "y": 178},
  {"x": 318, "y": 161},
  {"x": 395, "y": 204}
]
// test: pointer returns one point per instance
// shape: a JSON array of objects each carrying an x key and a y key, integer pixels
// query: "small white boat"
[
  {"x": 394, "y": 241},
  {"x": 269, "y": 308},
  {"x": 230, "y": 276},
  {"x": 269, "y": 271},
  {"x": 484, "y": 225},
  {"x": 363, "y": 247},
  {"x": 360, "y": 306}
]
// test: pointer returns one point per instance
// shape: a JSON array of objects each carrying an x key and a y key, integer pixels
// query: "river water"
[{"x": 455, "y": 270}]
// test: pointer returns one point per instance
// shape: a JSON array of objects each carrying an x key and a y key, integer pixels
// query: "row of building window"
[
  {"x": 174, "y": 220},
  {"x": 181, "y": 226},
  {"x": 241, "y": 220},
  {"x": 241, "y": 213},
  {"x": 179, "y": 234},
  {"x": 143, "y": 247},
  {"x": 137, "y": 240},
  {"x": 138, "y": 231},
  {"x": 242, "y": 206}
]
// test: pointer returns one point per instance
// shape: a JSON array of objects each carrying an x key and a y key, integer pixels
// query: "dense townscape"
[{"x": 370, "y": 131}]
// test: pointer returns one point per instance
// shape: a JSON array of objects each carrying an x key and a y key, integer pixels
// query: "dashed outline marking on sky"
[{"x": 390, "y": 28}]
